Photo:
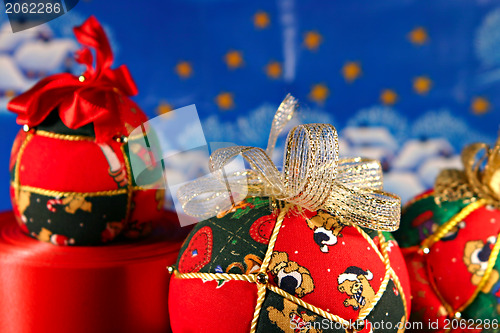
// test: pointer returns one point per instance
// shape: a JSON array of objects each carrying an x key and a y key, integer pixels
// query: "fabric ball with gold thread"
[{"x": 71, "y": 177}]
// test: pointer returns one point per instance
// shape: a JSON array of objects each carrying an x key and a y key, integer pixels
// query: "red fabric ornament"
[
  {"x": 71, "y": 176},
  {"x": 305, "y": 264},
  {"x": 452, "y": 288}
]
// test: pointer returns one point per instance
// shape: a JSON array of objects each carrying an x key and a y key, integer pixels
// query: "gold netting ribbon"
[
  {"x": 313, "y": 177},
  {"x": 480, "y": 178}
]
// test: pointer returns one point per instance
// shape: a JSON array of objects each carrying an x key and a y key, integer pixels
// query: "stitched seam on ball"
[
  {"x": 383, "y": 286},
  {"x": 208, "y": 248},
  {"x": 395, "y": 277}
]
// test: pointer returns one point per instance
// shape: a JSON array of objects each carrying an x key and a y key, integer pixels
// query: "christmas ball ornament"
[
  {"x": 304, "y": 250},
  {"x": 449, "y": 235},
  {"x": 71, "y": 180}
]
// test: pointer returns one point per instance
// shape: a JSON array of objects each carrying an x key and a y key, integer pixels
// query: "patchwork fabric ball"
[
  {"x": 451, "y": 250},
  {"x": 71, "y": 177},
  {"x": 449, "y": 237},
  {"x": 321, "y": 275}
]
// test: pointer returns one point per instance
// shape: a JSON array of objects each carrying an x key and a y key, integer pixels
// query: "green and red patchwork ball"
[
  {"x": 321, "y": 272},
  {"x": 69, "y": 190},
  {"x": 451, "y": 250},
  {"x": 70, "y": 167}
]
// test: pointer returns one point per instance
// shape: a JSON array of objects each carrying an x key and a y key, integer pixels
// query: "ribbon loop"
[
  {"x": 92, "y": 98},
  {"x": 479, "y": 179},
  {"x": 310, "y": 164},
  {"x": 313, "y": 177}
]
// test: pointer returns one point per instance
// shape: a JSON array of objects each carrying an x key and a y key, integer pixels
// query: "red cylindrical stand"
[{"x": 114, "y": 288}]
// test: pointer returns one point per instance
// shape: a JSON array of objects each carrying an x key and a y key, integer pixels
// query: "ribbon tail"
[
  {"x": 84, "y": 56},
  {"x": 264, "y": 172},
  {"x": 91, "y": 34},
  {"x": 207, "y": 196},
  {"x": 281, "y": 118}
]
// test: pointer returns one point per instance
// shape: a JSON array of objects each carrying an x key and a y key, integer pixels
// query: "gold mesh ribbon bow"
[
  {"x": 480, "y": 178},
  {"x": 313, "y": 177}
]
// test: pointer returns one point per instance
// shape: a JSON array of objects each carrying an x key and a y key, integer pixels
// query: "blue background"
[{"x": 458, "y": 54}]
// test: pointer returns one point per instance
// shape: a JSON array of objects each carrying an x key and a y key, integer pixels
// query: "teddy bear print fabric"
[
  {"x": 450, "y": 276},
  {"x": 331, "y": 265}
]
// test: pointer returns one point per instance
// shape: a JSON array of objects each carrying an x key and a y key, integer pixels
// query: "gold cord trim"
[
  {"x": 261, "y": 296},
  {"x": 272, "y": 240},
  {"x": 130, "y": 190},
  {"x": 383, "y": 286},
  {"x": 261, "y": 293},
  {"x": 51, "y": 193},
  {"x": 308, "y": 306},
  {"x": 262, "y": 288},
  {"x": 491, "y": 263},
  {"x": 370, "y": 241},
  {"x": 66, "y": 137},
  {"x": 440, "y": 233},
  {"x": 395, "y": 277},
  {"x": 446, "y": 227},
  {"x": 17, "y": 181},
  {"x": 216, "y": 276}
]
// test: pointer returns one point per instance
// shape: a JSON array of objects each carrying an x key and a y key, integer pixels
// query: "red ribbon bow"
[{"x": 93, "y": 98}]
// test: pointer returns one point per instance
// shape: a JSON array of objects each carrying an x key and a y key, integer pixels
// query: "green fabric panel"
[
  {"x": 389, "y": 310},
  {"x": 232, "y": 242},
  {"x": 145, "y": 148},
  {"x": 407, "y": 235},
  {"x": 54, "y": 124},
  {"x": 83, "y": 226},
  {"x": 274, "y": 317}
]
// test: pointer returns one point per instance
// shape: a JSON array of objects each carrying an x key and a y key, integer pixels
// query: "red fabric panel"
[
  {"x": 351, "y": 249},
  {"x": 197, "y": 307},
  {"x": 426, "y": 305},
  {"x": 147, "y": 207},
  {"x": 72, "y": 166},
  {"x": 15, "y": 148},
  {"x": 450, "y": 256}
]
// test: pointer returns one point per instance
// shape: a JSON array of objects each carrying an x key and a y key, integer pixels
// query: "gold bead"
[
  {"x": 359, "y": 325},
  {"x": 81, "y": 78},
  {"x": 121, "y": 139},
  {"x": 262, "y": 278}
]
